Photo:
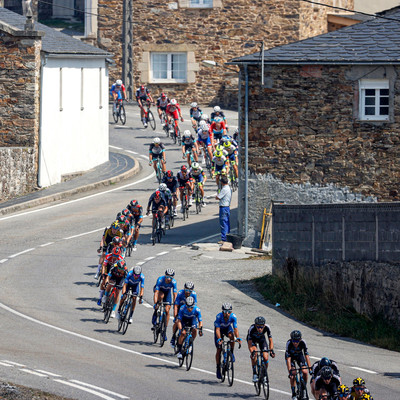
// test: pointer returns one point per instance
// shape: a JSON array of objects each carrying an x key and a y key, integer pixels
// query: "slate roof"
[
  {"x": 376, "y": 41},
  {"x": 53, "y": 42}
]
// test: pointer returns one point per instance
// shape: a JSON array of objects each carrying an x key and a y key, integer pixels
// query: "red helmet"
[
  {"x": 158, "y": 194},
  {"x": 163, "y": 95},
  {"x": 116, "y": 251},
  {"x": 141, "y": 88},
  {"x": 169, "y": 174},
  {"x": 126, "y": 212},
  {"x": 183, "y": 168}
]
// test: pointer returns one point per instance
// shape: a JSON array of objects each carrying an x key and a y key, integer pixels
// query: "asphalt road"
[{"x": 52, "y": 334}]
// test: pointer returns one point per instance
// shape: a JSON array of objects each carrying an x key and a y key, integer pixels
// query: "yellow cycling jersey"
[{"x": 108, "y": 236}]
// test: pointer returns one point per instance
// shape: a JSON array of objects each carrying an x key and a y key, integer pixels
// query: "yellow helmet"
[
  {"x": 343, "y": 389},
  {"x": 359, "y": 382},
  {"x": 227, "y": 144},
  {"x": 366, "y": 396},
  {"x": 218, "y": 147},
  {"x": 219, "y": 154}
]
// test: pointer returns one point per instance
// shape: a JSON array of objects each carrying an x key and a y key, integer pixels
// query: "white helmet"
[
  {"x": 195, "y": 165},
  {"x": 204, "y": 117},
  {"x": 118, "y": 82},
  {"x": 217, "y": 109},
  {"x": 157, "y": 140},
  {"x": 203, "y": 125},
  {"x": 186, "y": 133},
  {"x": 163, "y": 187},
  {"x": 193, "y": 105},
  {"x": 173, "y": 102}
]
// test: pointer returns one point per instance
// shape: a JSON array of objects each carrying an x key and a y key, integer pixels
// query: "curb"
[{"x": 81, "y": 189}]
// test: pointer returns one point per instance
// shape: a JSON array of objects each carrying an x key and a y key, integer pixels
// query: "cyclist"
[
  {"x": 127, "y": 229},
  {"x": 256, "y": 335},
  {"x": 189, "y": 145},
  {"x": 137, "y": 219},
  {"x": 189, "y": 315},
  {"x": 134, "y": 281},
  {"x": 296, "y": 352},
  {"x": 343, "y": 392},
  {"x": 162, "y": 103},
  {"x": 218, "y": 113},
  {"x": 199, "y": 177},
  {"x": 236, "y": 135},
  {"x": 225, "y": 324},
  {"x": 358, "y": 388},
  {"x": 185, "y": 180},
  {"x": 220, "y": 166},
  {"x": 195, "y": 115},
  {"x": 157, "y": 151},
  {"x": 204, "y": 138},
  {"x": 218, "y": 129},
  {"x": 116, "y": 275},
  {"x": 326, "y": 381},
  {"x": 172, "y": 184},
  {"x": 204, "y": 117},
  {"x": 162, "y": 293},
  {"x": 188, "y": 290},
  {"x": 118, "y": 92},
  {"x": 143, "y": 95},
  {"x": 173, "y": 110},
  {"x": 232, "y": 156},
  {"x": 115, "y": 242},
  {"x": 158, "y": 203},
  {"x": 316, "y": 368},
  {"x": 168, "y": 197},
  {"x": 108, "y": 235}
]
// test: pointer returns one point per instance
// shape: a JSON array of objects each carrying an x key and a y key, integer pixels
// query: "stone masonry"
[
  {"x": 219, "y": 33},
  {"x": 19, "y": 110}
]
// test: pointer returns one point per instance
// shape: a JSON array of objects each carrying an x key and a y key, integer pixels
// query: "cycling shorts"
[
  {"x": 119, "y": 94},
  {"x": 207, "y": 141},
  {"x": 188, "y": 147},
  {"x": 262, "y": 343},
  {"x": 189, "y": 321},
  {"x": 174, "y": 114},
  {"x": 162, "y": 108},
  {"x": 300, "y": 360},
  {"x": 137, "y": 218},
  {"x": 219, "y": 168},
  {"x": 224, "y": 332},
  {"x": 134, "y": 287},
  {"x": 155, "y": 156},
  {"x": 232, "y": 157},
  {"x": 119, "y": 280},
  {"x": 167, "y": 296},
  {"x": 198, "y": 178},
  {"x": 218, "y": 135}
]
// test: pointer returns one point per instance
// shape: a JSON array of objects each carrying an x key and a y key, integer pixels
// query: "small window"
[
  {"x": 374, "y": 100},
  {"x": 201, "y": 3},
  {"x": 168, "y": 67}
]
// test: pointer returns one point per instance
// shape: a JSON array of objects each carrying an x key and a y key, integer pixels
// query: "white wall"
[
  {"x": 72, "y": 139},
  {"x": 373, "y": 6}
]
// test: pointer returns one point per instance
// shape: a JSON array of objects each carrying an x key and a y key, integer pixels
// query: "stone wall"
[
  {"x": 19, "y": 109},
  {"x": 219, "y": 34}
]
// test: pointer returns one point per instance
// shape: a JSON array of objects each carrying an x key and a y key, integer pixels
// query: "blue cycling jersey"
[
  {"x": 181, "y": 298},
  {"x": 221, "y": 322},
  {"x": 185, "y": 313},
  {"x": 164, "y": 286},
  {"x": 131, "y": 280}
]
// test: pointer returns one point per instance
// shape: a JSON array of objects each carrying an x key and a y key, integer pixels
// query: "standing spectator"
[{"x": 224, "y": 197}]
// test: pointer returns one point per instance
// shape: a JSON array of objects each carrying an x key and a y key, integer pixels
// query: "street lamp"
[{"x": 213, "y": 64}]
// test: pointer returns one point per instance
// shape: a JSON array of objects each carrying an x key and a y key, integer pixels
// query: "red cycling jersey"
[{"x": 173, "y": 110}]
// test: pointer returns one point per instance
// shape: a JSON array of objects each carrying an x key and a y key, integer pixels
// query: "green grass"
[{"x": 306, "y": 303}]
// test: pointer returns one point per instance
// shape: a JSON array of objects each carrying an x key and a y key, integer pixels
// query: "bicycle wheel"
[
  {"x": 109, "y": 307},
  {"x": 163, "y": 330},
  {"x": 171, "y": 219},
  {"x": 184, "y": 206},
  {"x": 303, "y": 390},
  {"x": 208, "y": 162},
  {"x": 153, "y": 236},
  {"x": 229, "y": 368},
  {"x": 151, "y": 120},
  {"x": 159, "y": 173},
  {"x": 99, "y": 279},
  {"x": 174, "y": 136},
  {"x": 189, "y": 355},
  {"x": 187, "y": 212},
  {"x": 264, "y": 382},
  {"x": 178, "y": 137},
  {"x": 122, "y": 114},
  {"x": 115, "y": 115},
  {"x": 181, "y": 360},
  {"x": 159, "y": 235},
  {"x": 127, "y": 316},
  {"x": 223, "y": 370},
  {"x": 257, "y": 385}
]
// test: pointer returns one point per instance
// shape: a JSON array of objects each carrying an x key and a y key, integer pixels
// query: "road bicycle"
[
  {"x": 185, "y": 203},
  {"x": 171, "y": 220},
  {"x": 301, "y": 386},
  {"x": 262, "y": 384},
  {"x": 129, "y": 248},
  {"x": 158, "y": 230},
  {"x": 164, "y": 123},
  {"x": 189, "y": 152},
  {"x": 198, "y": 198},
  {"x": 208, "y": 161},
  {"x": 119, "y": 112},
  {"x": 110, "y": 300},
  {"x": 187, "y": 348},
  {"x": 160, "y": 327},
  {"x": 232, "y": 178},
  {"x": 159, "y": 171},
  {"x": 126, "y": 312},
  {"x": 148, "y": 115},
  {"x": 227, "y": 364},
  {"x": 176, "y": 133}
]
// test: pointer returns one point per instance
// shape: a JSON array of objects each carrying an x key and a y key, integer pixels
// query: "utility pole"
[{"x": 127, "y": 52}]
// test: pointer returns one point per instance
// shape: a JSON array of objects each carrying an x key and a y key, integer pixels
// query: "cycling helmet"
[
  {"x": 219, "y": 147},
  {"x": 325, "y": 362},
  {"x": 183, "y": 168},
  {"x": 189, "y": 285},
  {"x": 236, "y": 131},
  {"x": 132, "y": 204},
  {"x": 217, "y": 109},
  {"x": 118, "y": 82},
  {"x": 169, "y": 174},
  {"x": 195, "y": 165},
  {"x": 121, "y": 264},
  {"x": 366, "y": 396},
  {"x": 203, "y": 124},
  {"x": 121, "y": 219},
  {"x": 218, "y": 120},
  {"x": 343, "y": 389},
  {"x": 157, "y": 140},
  {"x": 170, "y": 272},
  {"x": 137, "y": 270},
  {"x": 259, "y": 321},
  {"x": 116, "y": 251},
  {"x": 204, "y": 117},
  {"x": 163, "y": 187},
  {"x": 193, "y": 105},
  {"x": 295, "y": 335},
  {"x": 219, "y": 154},
  {"x": 141, "y": 88},
  {"x": 116, "y": 240},
  {"x": 157, "y": 194},
  {"x": 186, "y": 133},
  {"x": 326, "y": 373},
  {"x": 189, "y": 301},
  {"x": 125, "y": 212},
  {"x": 174, "y": 102},
  {"x": 358, "y": 382},
  {"x": 227, "y": 143},
  {"x": 115, "y": 225},
  {"x": 226, "y": 307},
  {"x": 163, "y": 95},
  {"x": 118, "y": 215}
]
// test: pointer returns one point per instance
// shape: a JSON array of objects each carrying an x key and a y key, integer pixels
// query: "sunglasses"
[
  {"x": 168, "y": 277},
  {"x": 260, "y": 326},
  {"x": 342, "y": 395},
  {"x": 296, "y": 341},
  {"x": 227, "y": 312},
  {"x": 136, "y": 276},
  {"x": 188, "y": 291},
  {"x": 359, "y": 388}
]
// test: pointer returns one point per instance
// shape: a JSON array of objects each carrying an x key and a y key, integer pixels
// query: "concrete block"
[{"x": 226, "y": 246}]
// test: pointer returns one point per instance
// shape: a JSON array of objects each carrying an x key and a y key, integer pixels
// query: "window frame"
[
  {"x": 169, "y": 78},
  {"x": 201, "y": 4},
  {"x": 375, "y": 84}
]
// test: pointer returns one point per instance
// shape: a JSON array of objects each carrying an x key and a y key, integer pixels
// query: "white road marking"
[
  {"x": 364, "y": 370},
  {"x": 149, "y": 258},
  {"x": 80, "y": 199},
  {"x": 204, "y": 238},
  {"x": 140, "y": 263},
  {"x": 176, "y": 248},
  {"x": 113, "y": 346},
  {"x": 115, "y": 147},
  {"x": 316, "y": 358},
  {"x": 99, "y": 388},
  {"x": 208, "y": 330},
  {"x": 48, "y": 373},
  {"x": 130, "y": 151},
  {"x": 147, "y": 305},
  {"x": 162, "y": 253},
  {"x": 3, "y": 260},
  {"x": 13, "y": 363},
  {"x": 84, "y": 233},
  {"x": 103, "y": 396},
  {"x": 21, "y": 252},
  {"x": 206, "y": 256},
  {"x": 29, "y": 371},
  {"x": 46, "y": 244},
  {"x": 5, "y": 365}
]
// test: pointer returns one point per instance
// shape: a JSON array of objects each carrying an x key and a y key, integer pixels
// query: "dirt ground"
[{"x": 10, "y": 391}]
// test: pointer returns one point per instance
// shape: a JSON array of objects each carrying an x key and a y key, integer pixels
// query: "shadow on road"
[
  {"x": 201, "y": 381},
  {"x": 231, "y": 395}
]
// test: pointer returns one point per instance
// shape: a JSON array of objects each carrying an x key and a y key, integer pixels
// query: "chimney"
[{"x": 29, "y": 26}]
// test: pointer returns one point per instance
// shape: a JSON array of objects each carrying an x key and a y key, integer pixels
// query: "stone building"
[
  {"x": 53, "y": 105},
  {"x": 162, "y": 43},
  {"x": 325, "y": 127}
]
